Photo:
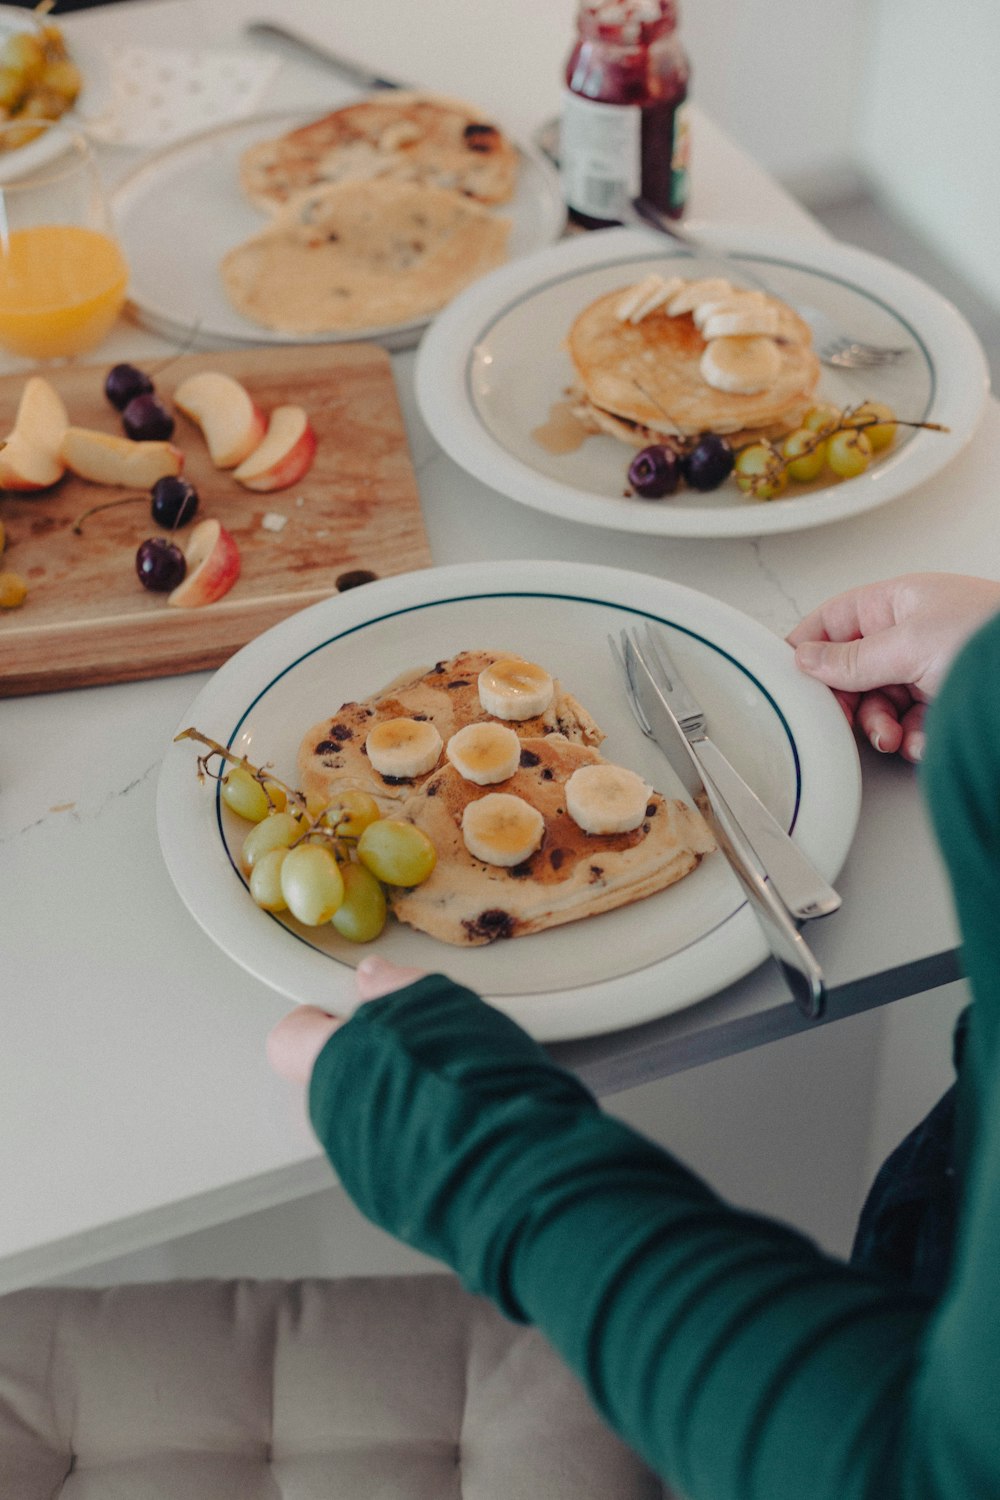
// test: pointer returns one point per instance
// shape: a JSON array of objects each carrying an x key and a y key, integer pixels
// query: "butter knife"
[
  {"x": 794, "y": 958},
  {"x": 797, "y": 881},
  {"x": 285, "y": 36}
]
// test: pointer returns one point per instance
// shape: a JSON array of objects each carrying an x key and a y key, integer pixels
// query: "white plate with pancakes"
[
  {"x": 495, "y": 366},
  {"x": 783, "y": 731},
  {"x": 183, "y": 210}
]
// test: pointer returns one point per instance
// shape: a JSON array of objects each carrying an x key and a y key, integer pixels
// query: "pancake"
[
  {"x": 332, "y": 757},
  {"x": 408, "y": 136},
  {"x": 362, "y": 255},
  {"x": 571, "y": 876},
  {"x": 645, "y": 378}
]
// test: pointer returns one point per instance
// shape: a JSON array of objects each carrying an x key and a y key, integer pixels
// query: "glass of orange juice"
[{"x": 63, "y": 277}]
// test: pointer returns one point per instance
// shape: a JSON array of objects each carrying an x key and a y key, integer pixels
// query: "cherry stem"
[
  {"x": 77, "y": 526},
  {"x": 181, "y": 349}
]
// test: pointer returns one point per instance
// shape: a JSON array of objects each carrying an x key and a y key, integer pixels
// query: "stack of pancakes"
[{"x": 641, "y": 379}]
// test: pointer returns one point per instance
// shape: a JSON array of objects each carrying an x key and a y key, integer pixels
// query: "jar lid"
[{"x": 628, "y": 20}]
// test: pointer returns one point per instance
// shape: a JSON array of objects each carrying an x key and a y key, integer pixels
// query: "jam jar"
[{"x": 623, "y": 131}]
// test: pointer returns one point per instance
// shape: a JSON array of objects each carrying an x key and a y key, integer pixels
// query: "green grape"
[
  {"x": 311, "y": 883},
  {"x": 276, "y": 832},
  {"x": 849, "y": 453},
  {"x": 265, "y": 880},
  {"x": 881, "y": 432},
  {"x": 244, "y": 794},
  {"x": 760, "y": 472},
  {"x": 362, "y": 915},
  {"x": 350, "y": 813},
  {"x": 806, "y": 454},
  {"x": 398, "y": 853},
  {"x": 823, "y": 418}
]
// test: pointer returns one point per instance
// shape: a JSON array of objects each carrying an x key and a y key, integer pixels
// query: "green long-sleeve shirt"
[{"x": 741, "y": 1362}]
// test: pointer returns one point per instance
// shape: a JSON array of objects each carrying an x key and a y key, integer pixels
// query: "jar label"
[{"x": 600, "y": 156}]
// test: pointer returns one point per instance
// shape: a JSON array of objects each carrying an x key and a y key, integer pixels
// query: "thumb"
[{"x": 857, "y": 666}]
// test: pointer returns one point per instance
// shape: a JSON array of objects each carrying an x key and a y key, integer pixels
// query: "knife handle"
[
  {"x": 795, "y": 959},
  {"x": 800, "y": 886}
]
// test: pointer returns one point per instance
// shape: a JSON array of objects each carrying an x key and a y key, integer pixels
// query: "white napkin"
[{"x": 153, "y": 96}]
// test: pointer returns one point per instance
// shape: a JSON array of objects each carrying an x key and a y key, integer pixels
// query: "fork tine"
[{"x": 661, "y": 657}]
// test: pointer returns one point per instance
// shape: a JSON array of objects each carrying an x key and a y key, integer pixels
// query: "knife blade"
[
  {"x": 286, "y": 37},
  {"x": 799, "y": 884},
  {"x": 795, "y": 959}
]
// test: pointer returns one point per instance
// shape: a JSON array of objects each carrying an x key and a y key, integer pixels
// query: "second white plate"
[
  {"x": 180, "y": 212},
  {"x": 493, "y": 365}
]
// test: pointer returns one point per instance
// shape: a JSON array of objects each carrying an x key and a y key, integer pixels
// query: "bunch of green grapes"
[
  {"x": 322, "y": 862},
  {"x": 842, "y": 441}
]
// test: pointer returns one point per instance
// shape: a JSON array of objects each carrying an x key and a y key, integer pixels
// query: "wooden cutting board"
[{"x": 88, "y": 620}]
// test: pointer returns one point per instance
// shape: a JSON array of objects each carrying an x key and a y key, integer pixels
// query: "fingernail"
[
  {"x": 916, "y": 745},
  {"x": 877, "y": 741},
  {"x": 809, "y": 654}
]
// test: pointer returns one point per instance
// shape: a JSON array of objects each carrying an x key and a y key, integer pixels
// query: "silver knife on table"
[
  {"x": 799, "y": 884},
  {"x": 287, "y": 37},
  {"x": 796, "y": 960}
]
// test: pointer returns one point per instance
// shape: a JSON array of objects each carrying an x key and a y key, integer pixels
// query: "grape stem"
[
  {"x": 181, "y": 349},
  {"x": 259, "y": 773}
]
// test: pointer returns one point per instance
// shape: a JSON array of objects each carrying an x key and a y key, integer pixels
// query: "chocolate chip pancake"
[
  {"x": 356, "y": 255},
  {"x": 408, "y": 136},
  {"x": 642, "y": 381},
  {"x": 332, "y": 755},
  {"x": 571, "y": 875}
]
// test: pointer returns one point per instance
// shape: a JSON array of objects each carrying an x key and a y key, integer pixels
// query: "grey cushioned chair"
[{"x": 367, "y": 1388}]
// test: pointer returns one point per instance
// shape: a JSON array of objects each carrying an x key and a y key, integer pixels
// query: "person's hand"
[
  {"x": 297, "y": 1040},
  {"x": 885, "y": 648}
]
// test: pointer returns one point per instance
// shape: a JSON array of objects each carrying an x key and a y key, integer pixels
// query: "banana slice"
[
  {"x": 515, "y": 689},
  {"x": 501, "y": 829},
  {"x": 650, "y": 293},
  {"x": 606, "y": 799},
  {"x": 742, "y": 365},
  {"x": 403, "y": 747},
  {"x": 693, "y": 292},
  {"x": 735, "y": 302},
  {"x": 484, "y": 753},
  {"x": 742, "y": 322}
]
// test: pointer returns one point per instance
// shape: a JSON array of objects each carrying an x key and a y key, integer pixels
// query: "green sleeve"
[{"x": 739, "y": 1360}]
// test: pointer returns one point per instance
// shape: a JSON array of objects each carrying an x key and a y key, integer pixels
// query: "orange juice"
[{"x": 61, "y": 288}]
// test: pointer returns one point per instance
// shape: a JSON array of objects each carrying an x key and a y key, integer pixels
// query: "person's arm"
[{"x": 739, "y": 1360}]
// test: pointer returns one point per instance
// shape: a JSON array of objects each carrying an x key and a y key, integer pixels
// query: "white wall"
[
  {"x": 783, "y": 77},
  {"x": 929, "y": 130}
]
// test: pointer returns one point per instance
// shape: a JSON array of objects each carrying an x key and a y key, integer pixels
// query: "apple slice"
[
  {"x": 213, "y": 566},
  {"x": 285, "y": 454},
  {"x": 30, "y": 458},
  {"x": 105, "y": 459},
  {"x": 231, "y": 421}
]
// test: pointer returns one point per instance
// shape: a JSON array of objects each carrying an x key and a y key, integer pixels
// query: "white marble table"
[{"x": 135, "y": 1102}]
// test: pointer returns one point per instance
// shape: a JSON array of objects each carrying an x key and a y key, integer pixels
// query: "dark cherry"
[
  {"x": 124, "y": 383},
  {"x": 146, "y": 419},
  {"x": 709, "y": 462},
  {"x": 175, "y": 502},
  {"x": 354, "y": 578},
  {"x": 655, "y": 472},
  {"x": 160, "y": 564}
]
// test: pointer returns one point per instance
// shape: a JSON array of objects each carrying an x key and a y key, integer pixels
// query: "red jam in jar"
[{"x": 623, "y": 131}]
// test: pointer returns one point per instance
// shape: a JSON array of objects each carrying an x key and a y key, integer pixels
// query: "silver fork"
[{"x": 833, "y": 346}]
